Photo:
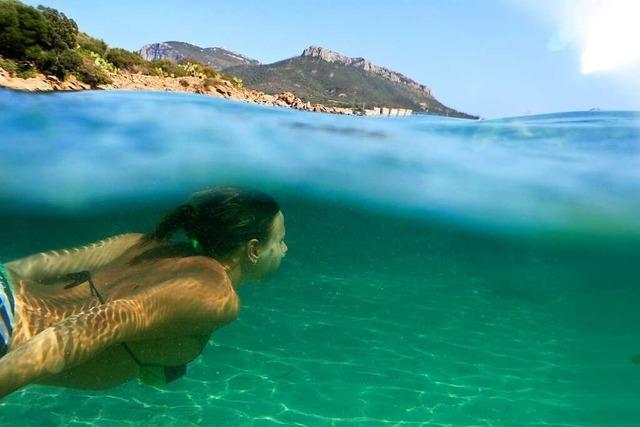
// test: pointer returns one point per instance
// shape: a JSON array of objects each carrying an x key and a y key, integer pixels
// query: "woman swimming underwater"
[{"x": 136, "y": 305}]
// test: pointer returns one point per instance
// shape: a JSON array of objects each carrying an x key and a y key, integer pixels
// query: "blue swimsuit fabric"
[{"x": 7, "y": 311}]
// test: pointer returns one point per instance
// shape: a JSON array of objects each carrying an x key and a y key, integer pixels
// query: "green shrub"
[
  {"x": 102, "y": 63},
  {"x": 155, "y": 71},
  {"x": 43, "y": 60},
  {"x": 196, "y": 69},
  {"x": 21, "y": 27},
  {"x": 124, "y": 59},
  {"x": 211, "y": 72},
  {"x": 25, "y": 71},
  {"x": 165, "y": 68},
  {"x": 8, "y": 65},
  {"x": 91, "y": 73},
  {"x": 192, "y": 69},
  {"x": 68, "y": 61},
  {"x": 50, "y": 62},
  {"x": 235, "y": 81},
  {"x": 91, "y": 44},
  {"x": 62, "y": 31},
  {"x": 43, "y": 37},
  {"x": 143, "y": 68}
]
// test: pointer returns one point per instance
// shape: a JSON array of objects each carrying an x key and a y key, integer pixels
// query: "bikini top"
[{"x": 150, "y": 373}]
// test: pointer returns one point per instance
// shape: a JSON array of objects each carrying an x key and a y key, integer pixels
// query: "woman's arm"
[
  {"x": 54, "y": 264},
  {"x": 73, "y": 341}
]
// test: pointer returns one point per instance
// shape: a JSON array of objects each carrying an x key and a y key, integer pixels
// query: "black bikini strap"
[{"x": 85, "y": 277}]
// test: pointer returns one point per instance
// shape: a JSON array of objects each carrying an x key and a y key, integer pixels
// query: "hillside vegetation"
[
  {"x": 45, "y": 40},
  {"x": 333, "y": 83},
  {"x": 216, "y": 57}
]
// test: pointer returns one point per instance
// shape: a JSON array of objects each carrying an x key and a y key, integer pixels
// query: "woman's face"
[{"x": 272, "y": 252}]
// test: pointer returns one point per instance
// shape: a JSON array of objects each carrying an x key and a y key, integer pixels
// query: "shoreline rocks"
[
  {"x": 40, "y": 83},
  {"x": 203, "y": 86}
]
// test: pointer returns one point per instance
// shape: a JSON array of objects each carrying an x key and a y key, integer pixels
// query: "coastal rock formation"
[
  {"x": 40, "y": 83},
  {"x": 157, "y": 51},
  {"x": 366, "y": 65},
  {"x": 216, "y": 57},
  {"x": 326, "y": 77},
  {"x": 210, "y": 87}
]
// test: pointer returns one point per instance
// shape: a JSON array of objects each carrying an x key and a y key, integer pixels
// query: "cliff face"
[
  {"x": 364, "y": 64},
  {"x": 216, "y": 57},
  {"x": 157, "y": 51},
  {"x": 335, "y": 84}
]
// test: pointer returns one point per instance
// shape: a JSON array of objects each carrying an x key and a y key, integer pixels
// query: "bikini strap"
[{"x": 149, "y": 373}]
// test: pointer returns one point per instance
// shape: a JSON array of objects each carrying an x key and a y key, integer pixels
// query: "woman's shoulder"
[
  {"x": 198, "y": 269},
  {"x": 204, "y": 265},
  {"x": 118, "y": 242},
  {"x": 202, "y": 284}
]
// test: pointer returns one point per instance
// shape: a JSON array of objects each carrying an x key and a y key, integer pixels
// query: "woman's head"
[{"x": 223, "y": 220}]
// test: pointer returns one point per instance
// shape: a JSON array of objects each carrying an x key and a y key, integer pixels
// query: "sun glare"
[{"x": 612, "y": 35}]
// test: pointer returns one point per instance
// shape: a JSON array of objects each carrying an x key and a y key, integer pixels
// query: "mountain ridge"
[
  {"x": 318, "y": 75},
  {"x": 217, "y": 57},
  {"x": 363, "y": 63},
  {"x": 323, "y": 76}
]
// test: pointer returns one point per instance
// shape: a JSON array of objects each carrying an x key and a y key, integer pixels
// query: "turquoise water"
[{"x": 440, "y": 271}]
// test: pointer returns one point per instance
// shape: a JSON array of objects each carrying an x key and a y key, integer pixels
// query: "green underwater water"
[
  {"x": 440, "y": 271},
  {"x": 377, "y": 318}
]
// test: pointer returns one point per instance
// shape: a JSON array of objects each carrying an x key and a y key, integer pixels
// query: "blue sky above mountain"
[{"x": 495, "y": 58}]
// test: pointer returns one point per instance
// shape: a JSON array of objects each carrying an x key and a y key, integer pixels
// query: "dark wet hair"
[{"x": 221, "y": 219}]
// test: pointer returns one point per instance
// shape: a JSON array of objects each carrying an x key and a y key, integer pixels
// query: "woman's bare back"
[{"x": 155, "y": 275}]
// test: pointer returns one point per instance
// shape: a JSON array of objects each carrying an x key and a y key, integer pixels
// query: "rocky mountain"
[
  {"x": 366, "y": 65},
  {"x": 216, "y": 57},
  {"x": 322, "y": 76},
  {"x": 319, "y": 75}
]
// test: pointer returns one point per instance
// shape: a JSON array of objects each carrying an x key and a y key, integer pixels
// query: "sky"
[{"x": 493, "y": 58}]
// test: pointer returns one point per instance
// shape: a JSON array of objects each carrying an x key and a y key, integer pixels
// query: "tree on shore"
[
  {"x": 43, "y": 37},
  {"x": 46, "y": 40}
]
